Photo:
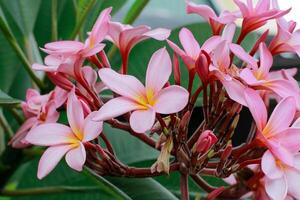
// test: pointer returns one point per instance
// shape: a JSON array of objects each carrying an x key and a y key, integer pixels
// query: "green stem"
[
  {"x": 47, "y": 190},
  {"x": 81, "y": 18},
  {"x": 54, "y": 20},
  {"x": 13, "y": 42},
  {"x": 6, "y": 127},
  {"x": 17, "y": 116},
  {"x": 134, "y": 11}
]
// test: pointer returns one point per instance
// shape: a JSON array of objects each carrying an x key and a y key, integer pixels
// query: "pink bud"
[
  {"x": 176, "y": 67},
  {"x": 202, "y": 65},
  {"x": 205, "y": 141}
]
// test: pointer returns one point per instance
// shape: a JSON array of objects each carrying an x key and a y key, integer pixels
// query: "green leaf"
[
  {"x": 23, "y": 12},
  {"x": 6, "y": 100},
  {"x": 128, "y": 148},
  {"x": 62, "y": 175},
  {"x": 146, "y": 188}
]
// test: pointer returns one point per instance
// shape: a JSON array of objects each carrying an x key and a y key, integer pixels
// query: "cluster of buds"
[{"x": 266, "y": 166}]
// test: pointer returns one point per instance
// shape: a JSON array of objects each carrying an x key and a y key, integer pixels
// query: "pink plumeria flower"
[
  {"x": 286, "y": 40},
  {"x": 224, "y": 44},
  {"x": 221, "y": 66},
  {"x": 62, "y": 54},
  {"x": 144, "y": 101},
  {"x": 34, "y": 102},
  {"x": 258, "y": 15},
  {"x": 281, "y": 180},
  {"x": 125, "y": 37},
  {"x": 191, "y": 48},
  {"x": 190, "y": 45},
  {"x": 57, "y": 63},
  {"x": 63, "y": 140},
  {"x": 259, "y": 78},
  {"x": 216, "y": 22},
  {"x": 47, "y": 114},
  {"x": 276, "y": 133}
]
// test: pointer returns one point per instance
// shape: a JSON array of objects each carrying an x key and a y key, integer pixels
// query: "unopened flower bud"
[
  {"x": 205, "y": 141},
  {"x": 176, "y": 70},
  {"x": 202, "y": 66}
]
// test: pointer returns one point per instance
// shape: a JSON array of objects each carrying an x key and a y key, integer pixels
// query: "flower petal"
[
  {"x": 158, "y": 33},
  {"x": 18, "y": 139},
  {"x": 189, "y": 43},
  {"x": 142, "y": 120},
  {"x": 158, "y": 71},
  {"x": 280, "y": 152},
  {"x": 203, "y": 10},
  {"x": 276, "y": 188},
  {"x": 171, "y": 99},
  {"x": 114, "y": 108},
  {"x": 125, "y": 85},
  {"x": 49, "y": 134},
  {"x": 243, "y": 55},
  {"x": 76, "y": 157},
  {"x": 283, "y": 88},
  {"x": 269, "y": 166},
  {"x": 75, "y": 114},
  {"x": 248, "y": 76},
  {"x": 175, "y": 48},
  {"x": 211, "y": 43},
  {"x": 293, "y": 177},
  {"x": 50, "y": 159},
  {"x": 281, "y": 117},
  {"x": 91, "y": 129},
  {"x": 289, "y": 138},
  {"x": 101, "y": 26},
  {"x": 266, "y": 60},
  {"x": 235, "y": 90},
  {"x": 228, "y": 32},
  {"x": 257, "y": 108}
]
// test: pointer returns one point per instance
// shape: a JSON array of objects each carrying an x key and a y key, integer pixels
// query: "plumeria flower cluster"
[{"x": 266, "y": 166}]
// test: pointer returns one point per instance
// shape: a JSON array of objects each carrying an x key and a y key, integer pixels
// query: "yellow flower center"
[
  {"x": 146, "y": 100},
  {"x": 281, "y": 165}
]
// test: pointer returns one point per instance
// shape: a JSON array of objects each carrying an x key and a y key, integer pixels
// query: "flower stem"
[
  {"x": 134, "y": 11},
  {"x": 184, "y": 187},
  {"x": 54, "y": 20},
  {"x": 5, "y": 125}
]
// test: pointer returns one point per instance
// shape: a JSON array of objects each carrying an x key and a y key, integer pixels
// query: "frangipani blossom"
[
  {"x": 38, "y": 109},
  {"x": 63, "y": 140},
  {"x": 190, "y": 45},
  {"x": 286, "y": 39},
  {"x": 281, "y": 180},
  {"x": 276, "y": 134},
  {"x": 125, "y": 37},
  {"x": 259, "y": 78},
  {"x": 222, "y": 68},
  {"x": 62, "y": 54},
  {"x": 34, "y": 103},
  {"x": 216, "y": 22},
  {"x": 47, "y": 114},
  {"x": 256, "y": 16},
  {"x": 144, "y": 101}
]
